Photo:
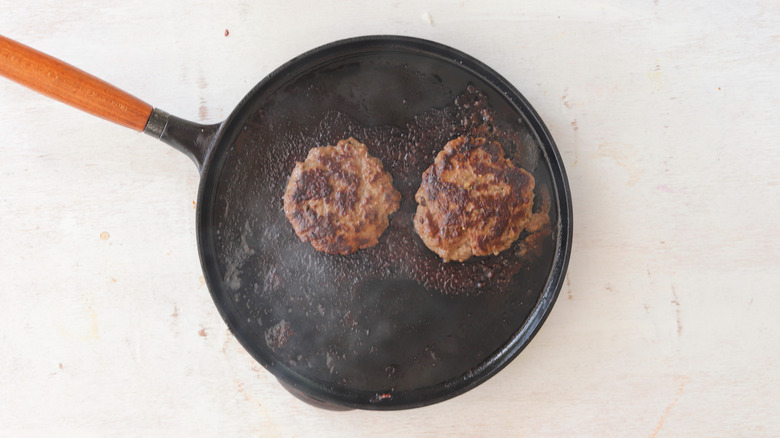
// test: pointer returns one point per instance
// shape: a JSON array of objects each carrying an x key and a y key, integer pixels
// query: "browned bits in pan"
[{"x": 406, "y": 151}]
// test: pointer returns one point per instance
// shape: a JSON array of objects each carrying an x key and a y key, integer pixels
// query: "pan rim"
[{"x": 496, "y": 360}]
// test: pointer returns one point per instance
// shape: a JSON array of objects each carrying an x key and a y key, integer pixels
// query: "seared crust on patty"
[
  {"x": 340, "y": 198},
  {"x": 472, "y": 200}
]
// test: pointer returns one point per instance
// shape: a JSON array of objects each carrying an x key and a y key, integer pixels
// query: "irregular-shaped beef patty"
[
  {"x": 340, "y": 198},
  {"x": 472, "y": 200}
]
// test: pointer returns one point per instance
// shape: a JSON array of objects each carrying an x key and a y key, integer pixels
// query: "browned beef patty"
[
  {"x": 472, "y": 200},
  {"x": 340, "y": 197}
]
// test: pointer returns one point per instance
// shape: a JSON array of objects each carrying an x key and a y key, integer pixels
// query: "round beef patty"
[
  {"x": 472, "y": 200},
  {"x": 340, "y": 198}
]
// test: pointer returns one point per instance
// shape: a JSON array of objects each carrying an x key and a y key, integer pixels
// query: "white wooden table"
[{"x": 666, "y": 114}]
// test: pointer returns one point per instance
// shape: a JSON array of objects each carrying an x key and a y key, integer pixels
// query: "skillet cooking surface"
[{"x": 390, "y": 326}]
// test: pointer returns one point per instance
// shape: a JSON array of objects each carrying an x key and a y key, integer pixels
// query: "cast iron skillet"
[{"x": 388, "y": 327}]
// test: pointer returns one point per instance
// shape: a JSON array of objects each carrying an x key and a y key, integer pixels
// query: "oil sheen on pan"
[{"x": 393, "y": 317}]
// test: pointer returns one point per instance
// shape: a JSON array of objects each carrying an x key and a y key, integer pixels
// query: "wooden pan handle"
[{"x": 70, "y": 85}]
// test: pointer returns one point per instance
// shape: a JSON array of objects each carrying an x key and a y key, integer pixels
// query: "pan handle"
[
  {"x": 58, "y": 80},
  {"x": 193, "y": 139},
  {"x": 63, "y": 82}
]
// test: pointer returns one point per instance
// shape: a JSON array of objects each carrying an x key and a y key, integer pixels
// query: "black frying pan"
[{"x": 391, "y": 326}]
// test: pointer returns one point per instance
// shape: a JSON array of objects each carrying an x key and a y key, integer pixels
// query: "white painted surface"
[{"x": 666, "y": 114}]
